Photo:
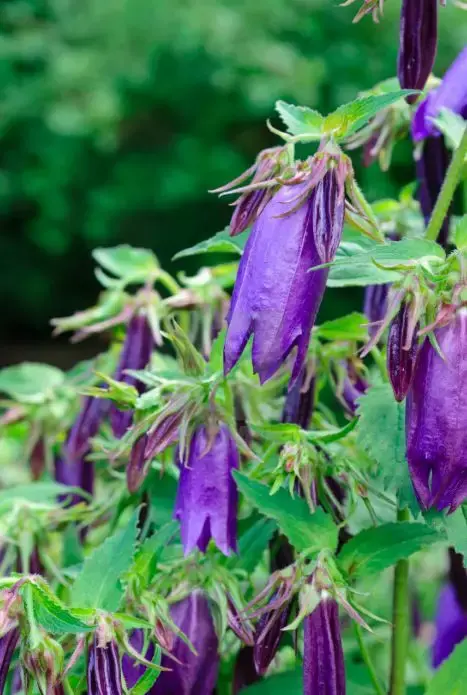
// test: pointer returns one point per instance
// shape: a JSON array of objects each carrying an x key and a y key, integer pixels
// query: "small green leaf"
[
  {"x": 407, "y": 253},
  {"x": 148, "y": 555},
  {"x": 52, "y": 615},
  {"x": 252, "y": 545},
  {"x": 300, "y": 120},
  {"x": 30, "y": 382},
  {"x": 279, "y": 432},
  {"x": 149, "y": 677},
  {"x": 452, "y": 125},
  {"x": 98, "y": 585},
  {"x": 306, "y": 531},
  {"x": 460, "y": 233},
  {"x": 328, "y": 437},
  {"x": 349, "y": 118},
  {"x": 126, "y": 262},
  {"x": 350, "y": 327},
  {"x": 451, "y": 676},
  {"x": 37, "y": 493},
  {"x": 221, "y": 242},
  {"x": 353, "y": 266},
  {"x": 373, "y": 550}
]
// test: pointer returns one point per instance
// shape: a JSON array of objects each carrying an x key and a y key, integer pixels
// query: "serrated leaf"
[
  {"x": 300, "y": 119},
  {"x": 407, "y": 253},
  {"x": 305, "y": 531},
  {"x": 451, "y": 677},
  {"x": 98, "y": 585},
  {"x": 125, "y": 261},
  {"x": 349, "y": 118},
  {"x": 460, "y": 233},
  {"x": 375, "y": 549},
  {"x": 350, "y": 327},
  {"x": 221, "y": 242},
  {"x": 149, "y": 677},
  {"x": 353, "y": 266},
  {"x": 30, "y": 382},
  {"x": 252, "y": 545},
  {"x": 52, "y": 615}
]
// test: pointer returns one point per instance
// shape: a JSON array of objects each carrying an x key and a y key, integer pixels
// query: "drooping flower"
[
  {"x": 8, "y": 644},
  {"x": 269, "y": 631},
  {"x": 191, "y": 673},
  {"x": 323, "y": 656},
  {"x": 104, "y": 676},
  {"x": 418, "y": 43},
  {"x": 375, "y": 305},
  {"x": 402, "y": 352},
  {"x": 135, "y": 354},
  {"x": 451, "y": 94},
  {"x": 207, "y": 496},
  {"x": 275, "y": 297},
  {"x": 431, "y": 166},
  {"x": 436, "y": 417},
  {"x": 132, "y": 670},
  {"x": 451, "y": 626}
]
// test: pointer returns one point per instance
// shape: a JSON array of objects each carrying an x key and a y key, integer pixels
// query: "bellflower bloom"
[
  {"x": 431, "y": 167},
  {"x": 269, "y": 632},
  {"x": 103, "y": 670},
  {"x": 207, "y": 496},
  {"x": 451, "y": 94},
  {"x": 8, "y": 644},
  {"x": 323, "y": 657},
  {"x": 451, "y": 626},
  {"x": 418, "y": 43},
  {"x": 436, "y": 417},
  {"x": 375, "y": 304},
  {"x": 275, "y": 297},
  {"x": 402, "y": 352},
  {"x": 191, "y": 674},
  {"x": 136, "y": 354}
]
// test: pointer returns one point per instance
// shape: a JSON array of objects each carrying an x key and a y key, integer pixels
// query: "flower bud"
[
  {"x": 240, "y": 626},
  {"x": 450, "y": 626},
  {"x": 137, "y": 469},
  {"x": 323, "y": 657},
  {"x": 207, "y": 496},
  {"x": 103, "y": 670},
  {"x": 402, "y": 352},
  {"x": 8, "y": 645},
  {"x": 191, "y": 673},
  {"x": 269, "y": 632},
  {"x": 436, "y": 417},
  {"x": 418, "y": 43}
]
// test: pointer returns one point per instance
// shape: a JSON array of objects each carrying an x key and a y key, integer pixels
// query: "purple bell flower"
[
  {"x": 191, "y": 674},
  {"x": 451, "y": 94},
  {"x": 451, "y": 626},
  {"x": 275, "y": 297},
  {"x": 104, "y": 675},
  {"x": 418, "y": 43},
  {"x": 375, "y": 304},
  {"x": 269, "y": 632},
  {"x": 8, "y": 644},
  {"x": 207, "y": 496},
  {"x": 135, "y": 354},
  {"x": 133, "y": 670},
  {"x": 431, "y": 167},
  {"x": 402, "y": 352},
  {"x": 137, "y": 469},
  {"x": 323, "y": 657},
  {"x": 436, "y": 417}
]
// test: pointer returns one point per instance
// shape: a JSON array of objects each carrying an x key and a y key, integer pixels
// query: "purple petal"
[
  {"x": 431, "y": 167},
  {"x": 418, "y": 43},
  {"x": 268, "y": 635},
  {"x": 8, "y": 645},
  {"x": 401, "y": 362},
  {"x": 451, "y": 626},
  {"x": 103, "y": 670},
  {"x": 323, "y": 657}
]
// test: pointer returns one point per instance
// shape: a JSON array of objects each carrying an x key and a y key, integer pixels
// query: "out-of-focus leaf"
[
  {"x": 30, "y": 382},
  {"x": 221, "y": 242}
]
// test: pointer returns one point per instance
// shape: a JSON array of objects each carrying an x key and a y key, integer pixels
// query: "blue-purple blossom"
[
  {"x": 104, "y": 675},
  {"x": 417, "y": 43},
  {"x": 451, "y": 94},
  {"x": 136, "y": 470},
  {"x": 402, "y": 352},
  {"x": 191, "y": 673},
  {"x": 450, "y": 624},
  {"x": 8, "y": 644},
  {"x": 207, "y": 496},
  {"x": 275, "y": 297},
  {"x": 323, "y": 657},
  {"x": 436, "y": 418},
  {"x": 431, "y": 166},
  {"x": 269, "y": 631}
]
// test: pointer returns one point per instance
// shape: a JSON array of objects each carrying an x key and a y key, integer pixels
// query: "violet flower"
[
  {"x": 375, "y": 304},
  {"x": 402, "y": 352},
  {"x": 451, "y": 626},
  {"x": 191, "y": 674},
  {"x": 269, "y": 632},
  {"x": 323, "y": 657},
  {"x": 436, "y": 417},
  {"x": 276, "y": 297},
  {"x": 104, "y": 675},
  {"x": 207, "y": 496},
  {"x": 418, "y": 43},
  {"x": 133, "y": 670},
  {"x": 136, "y": 470},
  {"x": 8, "y": 644},
  {"x": 135, "y": 354},
  {"x": 451, "y": 94},
  {"x": 431, "y": 167}
]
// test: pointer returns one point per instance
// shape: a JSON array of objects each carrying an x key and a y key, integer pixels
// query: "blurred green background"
[{"x": 117, "y": 116}]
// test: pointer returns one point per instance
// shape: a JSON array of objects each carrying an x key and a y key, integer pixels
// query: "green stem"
[
  {"x": 447, "y": 191},
  {"x": 400, "y": 621},
  {"x": 367, "y": 659}
]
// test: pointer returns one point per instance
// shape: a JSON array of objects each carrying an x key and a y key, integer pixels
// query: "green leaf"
[
  {"x": 126, "y": 262},
  {"x": 353, "y": 266},
  {"x": 451, "y": 676},
  {"x": 328, "y": 437},
  {"x": 305, "y": 531},
  {"x": 149, "y": 677},
  {"x": 52, "y": 615},
  {"x": 452, "y": 125},
  {"x": 407, "y": 253},
  {"x": 350, "y": 327},
  {"x": 373, "y": 550},
  {"x": 221, "y": 242},
  {"x": 98, "y": 585},
  {"x": 252, "y": 545},
  {"x": 300, "y": 119},
  {"x": 37, "y": 493},
  {"x": 289, "y": 683},
  {"x": 349, "y": 118},
  {"x": 279, "y": 432},
  {"x": 30, "y": 382},
  {"x": 460, "y": 233},
  {"x": 149, "y": 554}
]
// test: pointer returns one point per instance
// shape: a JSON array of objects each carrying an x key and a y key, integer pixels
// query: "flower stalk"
[{"x": 400, "y": 621}]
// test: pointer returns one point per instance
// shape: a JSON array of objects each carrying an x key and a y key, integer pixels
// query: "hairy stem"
[
  {"x": 447, "y": 191},
  {"x": 400, "y": 621},
  {"x": 367, "y": 660}
]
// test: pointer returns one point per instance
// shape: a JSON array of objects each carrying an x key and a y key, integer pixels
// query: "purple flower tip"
[
  {"x": 207, "y": 497},
  {"x": 451, "y": 626},
  {"x": 323, "y": 657},
  {"x": 402, "y": 352},
  {"x": 418, "y": 43},
  {"x": 268, "y": 634},
  {"x": 103, "y": 669}
]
